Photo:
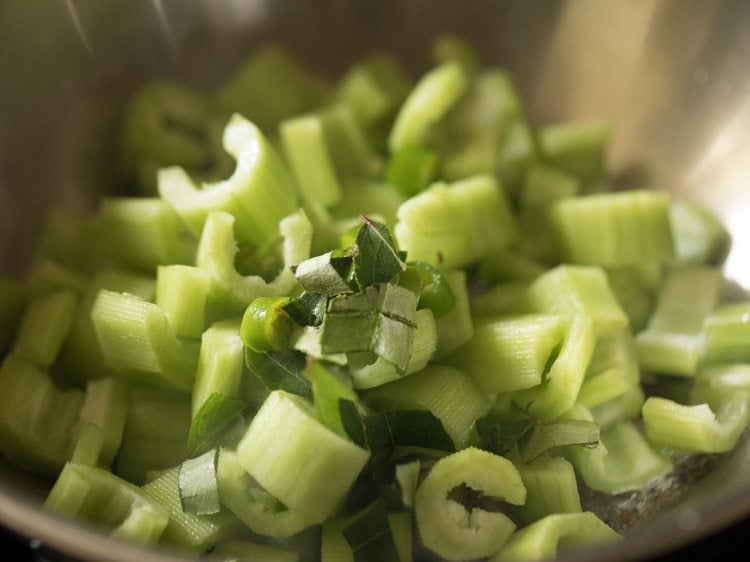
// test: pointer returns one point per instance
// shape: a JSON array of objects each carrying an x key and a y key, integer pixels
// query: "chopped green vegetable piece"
[
  {"x": 551, "y": 488},
  {"x": 411, "y": 169},
  {"x": 169, "y": 124},
  {"x": 577, "y": 147},
  {"x": 258, "y": 194},
  {"x": 517, "y": 152},
  {"x": 88, "y": 445},
  {"x": 350, "y": 149},
  {"x": 714, "y": 422},
  {"x": 102, "y": 499},
  {"x": 559, "y": 390},
  {"x": 635, "y": 293},
  {"x": 727, "y": 334},
  {"x": 81, "y": 356},
  {"x": 673, "y": 342},
  {"x": 220, "y": 363},
  {"x": 199, "y": 491},
  {"x": 37, "y": 420},
  {"x": 182, "y": 291},
  {"x": 45, "y": 324},
  {"x": 504, "y": 299},
  {"x": 105, "y": 406},
  {"x": 216, "y": 253},
  {"x": 612, "y": 371},
  {"x": 575, "y": 289},
  {"x": 509, "y": 265},
  {"x": 542, "y": 187},
  {"x": 271, "y": 85},
  {"x": 259, "y": 510},
  {"x": 449, "y": 529},
  {"x": 310, "y": 160},
  {"x": 699, "y": 236},
  {"x": 215, "y": 422},
  {"x": 47, "y": 276},
  {"x": 624, "y": 407},
  {"x": 622, "y": 229},
  {"x": 439, "y": 390},
  {"x": 374, "y": 88},
  {"x": 310, "y": 468},
  {"x": 622, "y": 462},
  {"x": 138, "y": 342},
  {"x": 266, "y": 326},
  {"x": 454, "y": 225},
  {"x": 428, "y": 102},
  {"x": 185, "y": 530},
  {"x": 518, "y": 348},
  {"x": 156, "y": 433},
  {"x": 566, "y": 531},
  {"x": 143, "y": 233}
]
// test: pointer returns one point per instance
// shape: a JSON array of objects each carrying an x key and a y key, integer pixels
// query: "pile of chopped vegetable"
[{"x": 365, "y": 320}]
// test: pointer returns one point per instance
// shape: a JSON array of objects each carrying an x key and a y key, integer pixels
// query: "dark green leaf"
[
  {"x": 546, "y": 436},
  {"x": 328, "y": 274},
  {"x": 387, "y": 430},
  {"x": 214, "y": 422},
  {"x": 198, "y": 486},
  {"x": 369, "y": 534},
  {"x": 366, "y": 301},
  {"x": 377, "y": 259},
  {"x": 499, "y": 437},
  {"x": 351, "y": 421},
  {"x": 280, "y": 370},
  {"x": 394, "y": 341},
  {"x": 436, "y": 294},
  {"x": 397, "y": 302},
  {"x": 306, "y": 309},
  {"x": 345, "y": 332},
  {"x": 327, "y": 391}
]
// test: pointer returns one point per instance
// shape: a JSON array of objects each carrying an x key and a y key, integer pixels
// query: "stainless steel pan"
[{"x": 673, "y": 75}]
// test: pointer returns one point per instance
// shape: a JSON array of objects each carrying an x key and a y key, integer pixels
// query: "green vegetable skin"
[{"x": 405, "y": 320}]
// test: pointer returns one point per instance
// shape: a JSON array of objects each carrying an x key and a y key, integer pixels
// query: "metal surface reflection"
[{"x": 671, "y": 74}]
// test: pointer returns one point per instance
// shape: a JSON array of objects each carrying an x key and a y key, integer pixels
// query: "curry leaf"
[
  {"x": 499, "y": 437},
  {"x": 369, "y": 534},
  {"x": 546, "y": 436},
  {"x": 306, "y": 309},
  {"x": 280, "y": 370},
  {"x": 417, "y": 428},
  {"x": 352, "y": 422},
  {"x": 214, "y": 420},
  {"x": 377, "y": 259},
  {"x": 328, "y": 390}
]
